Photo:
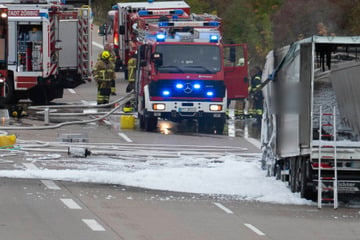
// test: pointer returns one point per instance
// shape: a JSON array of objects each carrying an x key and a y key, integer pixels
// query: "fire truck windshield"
[{"x": 196, "y": 58}]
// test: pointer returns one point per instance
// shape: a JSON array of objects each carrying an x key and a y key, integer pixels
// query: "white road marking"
[
  {"x": 126, "y": 138},
  {"x": 30, "y": 166},
  {"x": 93, "y": 224},
  {"x": 97, "y": 45},
  {"x": 254, "y": 229},
  {"x": 50, "y": 185},
  {"x": 70, "y": 203},
  {"x": 254, "y": 142},
  {"x": 71, "y": 90},
  {"x": 222, "y": 207}
]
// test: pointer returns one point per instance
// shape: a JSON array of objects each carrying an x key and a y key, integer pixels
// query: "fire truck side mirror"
[
  {"x": 121, "y": 29},
  {"x": 156, "y": 57}
]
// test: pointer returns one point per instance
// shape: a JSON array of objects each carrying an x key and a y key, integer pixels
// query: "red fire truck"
[
  {"x": 184, "y": 71},
  {"x": 118, "y": 30},
  {"x": 49, "y": 49}
]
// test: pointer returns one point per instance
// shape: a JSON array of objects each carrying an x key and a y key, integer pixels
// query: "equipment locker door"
[{"x": 236, "y": 70}]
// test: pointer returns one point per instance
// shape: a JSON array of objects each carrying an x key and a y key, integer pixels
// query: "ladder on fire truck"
[
  {"x": 327, "y": 160},
  {"x": 84, "y": 41}
]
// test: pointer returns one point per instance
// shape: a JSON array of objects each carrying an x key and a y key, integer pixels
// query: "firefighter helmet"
[{"x": 105, "y": 55}]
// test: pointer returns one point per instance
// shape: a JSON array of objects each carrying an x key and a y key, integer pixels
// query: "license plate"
[{"x": 187, "y": 109}]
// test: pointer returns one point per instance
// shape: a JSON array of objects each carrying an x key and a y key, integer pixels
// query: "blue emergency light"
[
  {"x": 179, "y": 12},
  {"x": 197, "y": 86},
  {"x": 43, "y": 14},
  {"x": 179, "y": 85},
  {"x": 115, "y": 7},
  {"x": 160, "y": 37},
  {"x": 163, "y": 24},
  {"x": 150, "y": 1},
  {"x": 166, "y": 93},
  {"x": 210, "y": 93},
  {"x": 213, "y": 24},
  {"x": 214, "y": 38},
  {"x": 143, "y": 13}
]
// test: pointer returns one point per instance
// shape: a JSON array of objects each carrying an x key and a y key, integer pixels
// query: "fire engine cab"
[
  {"x": 49, "y": 50},
  {"x": 184, "y": 71}
]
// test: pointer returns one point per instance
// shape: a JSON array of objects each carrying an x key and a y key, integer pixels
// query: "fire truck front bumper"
[{"x": 186, "y": 110}]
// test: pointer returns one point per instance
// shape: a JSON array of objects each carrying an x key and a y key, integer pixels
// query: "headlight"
[
  {"x": 158, "y": 106},
  {"x": 215, "y": 107}
]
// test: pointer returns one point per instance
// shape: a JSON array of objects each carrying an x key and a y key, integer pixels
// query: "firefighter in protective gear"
[
  {"x": 256, "y": 103},
  {"x": 112, "y": 59},
  {"x": 103, "y": 74},
  {"x": 131, "y": 79}
]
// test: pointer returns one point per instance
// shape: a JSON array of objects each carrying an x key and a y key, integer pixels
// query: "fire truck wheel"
[
  {"x": 204, "y": 126},
  {"x": 141, "y": 121},
  {"x": 9, "y": 90},
  {"x": 219, "y": 126},
  {"x": 150, "y": 123}
]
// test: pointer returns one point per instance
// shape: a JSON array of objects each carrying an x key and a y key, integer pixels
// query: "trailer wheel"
[
  {"x": 150, "y": 123},
  {"x": 9, "y": 92},
  {"x": 293, "y": 177},
  {"x": 305, "y": 191}
]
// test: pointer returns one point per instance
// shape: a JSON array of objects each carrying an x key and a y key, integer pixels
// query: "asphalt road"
[{"x": 42, "y": 209}]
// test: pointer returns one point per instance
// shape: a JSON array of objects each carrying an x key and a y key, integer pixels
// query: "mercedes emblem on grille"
[{"x": 188, "y": 88}]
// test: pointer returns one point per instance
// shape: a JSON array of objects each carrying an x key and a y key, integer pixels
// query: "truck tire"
[
  {"x": 205, "y": 125},
  {"x": 305, "y": 191},
  {"x": 141, "y": 121},
  {"x": 219, "y": 126},
  {"x": 293, "y": 174},
  {"x": 150, "y": 123},
  {"x": 10, "y": 94}
]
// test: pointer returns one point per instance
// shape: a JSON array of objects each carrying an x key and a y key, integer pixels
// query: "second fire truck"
[{"x": 49, "y": 50}]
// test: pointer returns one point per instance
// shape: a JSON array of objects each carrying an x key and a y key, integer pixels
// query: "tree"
[{"x": 249, "y": 21}]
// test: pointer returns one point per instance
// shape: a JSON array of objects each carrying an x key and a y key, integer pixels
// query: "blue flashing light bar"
[
  {"x": 43, "y": 14},
  {"x": 166, "y": 93},
  {"x": 163, "y": 24},
  {"x": 179, "y": 12},
  {"x": 197, "y": 86},
  {"x": 143, "y": 12},
  {"x": 209, "y": 93},
  {"x": 160, "y": 37},
  {"x": 213, "y": 24},
  {"x": 150, "y": 1},
  {"x": 115, "y": 7},
  {"x": 214, "y": 38}
]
